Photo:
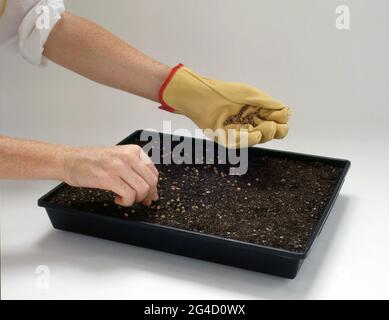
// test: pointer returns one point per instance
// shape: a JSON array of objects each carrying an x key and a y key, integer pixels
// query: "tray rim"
[{"x": 42, "y": 202}]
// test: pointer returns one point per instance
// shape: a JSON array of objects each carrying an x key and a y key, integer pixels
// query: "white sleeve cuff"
[{"x": 36, "y": 27}]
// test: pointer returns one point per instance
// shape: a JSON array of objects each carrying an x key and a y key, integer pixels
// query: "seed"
[
  {"x": 126, "y": 214},
  {"x": 238, "y": 189},
  {"x": 249, "y": 184}
]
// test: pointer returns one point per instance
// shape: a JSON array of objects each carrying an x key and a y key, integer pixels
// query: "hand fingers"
[
  {"x": 279, "y": 116},
  {"x": 281, "y": 131},
  {"x": 147, "y": 170},
  {"x": 262, "y": 132},
  {"x": 141, "y": 187},
  {"x": 241, "y": 135},
  {"x": 270, "y": 129},
  {"x": 148, "y": 174},
  {"x": 146, "y": 160},
  {"x": 143, "y": 177},
  {"x": 125, "y": 194}
]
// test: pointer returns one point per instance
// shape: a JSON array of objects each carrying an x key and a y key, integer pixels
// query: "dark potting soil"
[{"x": 277, "y": 203}]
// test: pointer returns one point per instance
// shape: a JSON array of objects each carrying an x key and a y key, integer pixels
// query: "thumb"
[
  {"x": 255, "y": 97},
  {"x": 244, "y": 94}
]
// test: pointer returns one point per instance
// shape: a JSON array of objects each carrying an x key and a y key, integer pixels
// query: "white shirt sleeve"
[
  {"x": 36, "y": 27},
  {"x": 31, "y": 21}
]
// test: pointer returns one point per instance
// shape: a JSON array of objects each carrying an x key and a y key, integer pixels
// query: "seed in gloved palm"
[{"x": 240, "y": 118}]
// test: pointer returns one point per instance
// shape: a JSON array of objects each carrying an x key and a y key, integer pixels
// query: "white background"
[{"x": 337, "y": 83}]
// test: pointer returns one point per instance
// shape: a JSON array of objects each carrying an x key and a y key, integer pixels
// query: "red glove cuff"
[{"x": 164, "y": 105}]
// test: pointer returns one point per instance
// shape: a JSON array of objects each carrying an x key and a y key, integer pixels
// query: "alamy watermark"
[
  {"x": 179, "y": 147},
  {"x": 343, "y": 17},
  {"x": 43, "y": 17},
  {"x": 42, "y": 281},
  {"x": 342, "y": 21}
]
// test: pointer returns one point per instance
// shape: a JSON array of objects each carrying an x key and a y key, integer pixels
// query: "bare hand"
[{"x": 125, "y": 170}]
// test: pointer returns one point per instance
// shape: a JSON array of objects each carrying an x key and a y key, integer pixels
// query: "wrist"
[{"x": 62, "y": 163}]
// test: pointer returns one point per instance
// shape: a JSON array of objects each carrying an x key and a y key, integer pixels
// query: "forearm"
[
  {"x": 120, "y": 169},
  {"x": 88, "y": 49},
  {"x": 27, "y": 159}
]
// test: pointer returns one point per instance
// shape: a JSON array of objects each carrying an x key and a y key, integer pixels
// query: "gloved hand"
[{"x": 214, "y": 104}]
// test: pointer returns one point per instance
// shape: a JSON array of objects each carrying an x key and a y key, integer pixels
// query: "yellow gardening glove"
[{"x": 214, "y": 104}]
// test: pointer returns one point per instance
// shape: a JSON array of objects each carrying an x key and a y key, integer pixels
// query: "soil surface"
[{"x": 277, "y": 203}]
